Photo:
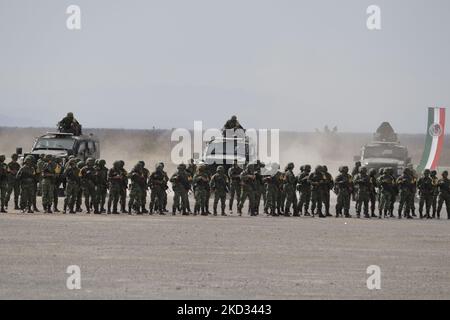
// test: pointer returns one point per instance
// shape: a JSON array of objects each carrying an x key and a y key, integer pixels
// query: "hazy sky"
[{"x": 293, "y": 65}]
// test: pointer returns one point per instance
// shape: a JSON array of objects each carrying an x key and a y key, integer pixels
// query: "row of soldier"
[{"x": 307, "y": 193}]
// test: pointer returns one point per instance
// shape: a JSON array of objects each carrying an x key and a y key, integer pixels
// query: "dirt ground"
[{"x": 166, "y": 257}]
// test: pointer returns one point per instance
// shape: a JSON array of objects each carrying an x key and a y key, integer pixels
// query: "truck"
[
  {"x": 63, "y": 145},
  {"x": 385, "y": 151}
]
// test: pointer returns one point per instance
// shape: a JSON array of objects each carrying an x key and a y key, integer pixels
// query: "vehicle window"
[
  {"x": 54, "y": 143},
  {"x": 91, "y": 146},
  {"x": 82, "y": 148}
]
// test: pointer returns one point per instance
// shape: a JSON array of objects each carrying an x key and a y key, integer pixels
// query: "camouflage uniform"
[
  {"x": 273, "y": 184},
  {"x": 304, "y": 189},
  {"x": 79, "y": 199},
  {"x": 355, "y": 172},
  {"x": 26, "y": 177},
  {"x": 248, "y": 190},
  {"x": 59, "y": 171},
  {"x": 407, "y": 186},
  {"x": 124, "y": 187},
  {"x": 327, "y": 187},
  {"x": 138, "y": 186},
  {"x": 72, "y": 175},
  {"x": 158, "y": 186},
  {"x": 259, "y": 186},
  {"x": 3, "y": 183},
  {"x": 426, "y": 190},
  {"x": 219, "y": 185},
  {"x": 146, "y": 174},
  {"x": 201, "y": 185},
  {"x": 362, "y": 181},
  {"x": 317, "y": 180},
  {"x": 289, "y": 188},
  {"x": 181, "y": 184},
  {"x": 88, "y": 184},
  {"x": 343, "y": 187},
  {"x": 444, "y": 195},
  {"x": 13, "y": 182},
  {"x": 373, "y": 192},
  {"x": 48, "y": 183},
  {"x": 386, "y": 183},
  {"x": 234, "y": 173},
  {"x": 434, "y": 200},
  {"x": 115, "y": 182},
  {"x": 102, "y": 184}
]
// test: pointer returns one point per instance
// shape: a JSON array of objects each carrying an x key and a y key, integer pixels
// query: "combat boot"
[
  {"x": 143, "y": 209},
  {"x": 2, "y": 210},
  {"x": 16, "y": 205}
]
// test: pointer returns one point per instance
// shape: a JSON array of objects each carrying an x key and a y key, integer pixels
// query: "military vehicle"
[
  {"x": 385, "y": 151},
  {"x": 222, "y": 151},
  {"x": 63, "y": 145}
]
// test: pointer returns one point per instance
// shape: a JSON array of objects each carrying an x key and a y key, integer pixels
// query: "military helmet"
[
  {"x": 81, "y": 164},
  {"x": 318, "y": 168},
  {"x": 116, "y": 164},
  {"x": 234, "y": 118},
  {"x": 344, "y": 169},
  {"x": 70, "y": 114},
  {"x": 363, "y": 170},
  {"x": 325, "y": 168},
  {"x": 445, "y": 174},
  {"x": 102, "y": 162},
  {"x": 373, "y": 172},
  {"x": 2, "y": 158},
  {"x": 121, "y": 163},
  {"x": 307, "y": 167},
  {"x": 96, "y": 162},
  {"x": 220, "y": 169},
  {"x": 381, "y": 171},
  {"x": 161, "y": 164},
  {"x": 426, "y": 172},
  {"x": 357, "y": 163},
  {"x": 90, "y": 161},
  {"x": 48, "y": 157},
  {"x": 28, "y": 159},
  {"x": 142, "y": 163},
  {"x": 42, "y": 156},
  {"x": 433, "y": 173},
  {"x": 181, "y": 166},
  {"x": 14, "y": 156},
  {"x": 406, "y": 171}
]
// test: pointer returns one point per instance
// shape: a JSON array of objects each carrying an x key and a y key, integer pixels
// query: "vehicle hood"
[
  {"x": 55, "y": 153},
  {"x": 220, "y": 157}
]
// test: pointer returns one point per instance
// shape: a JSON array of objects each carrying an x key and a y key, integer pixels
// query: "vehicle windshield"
[
  {"x": 226, "y": 148},
  {"x": 54, "y": 143},
  {"x": 388, "y": 152}
]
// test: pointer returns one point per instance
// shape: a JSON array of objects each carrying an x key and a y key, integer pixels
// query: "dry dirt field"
[{"x": 166, "y": 257}]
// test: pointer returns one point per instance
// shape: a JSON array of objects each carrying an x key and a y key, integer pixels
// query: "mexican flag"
[{"x": 435, "y": 139}]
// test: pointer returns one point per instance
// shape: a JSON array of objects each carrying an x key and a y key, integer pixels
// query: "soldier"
[
  {"x": 72, "y": 175},
  {"x": 181, "y": 184},
  {"x": 146, "y": 174},
  {"x": 415, "y": 176},
  {"x": 115, "y": 181},
  {"x": 317, "y": 180},
  {"x": 78, "y": 202},
  {"x": 248, "y": 190},
  {"x": 290, "y": 183},
  {"x": 201, "y": 182},
  {"x": 102, "y": 184},
  {"x": 138, "y": 186},
  {"x": 158, "y": 186},
  {"x": 69, "y": 125},
  {"x": 386, "y": 183},
  {"x": 272, "y": 184},
  {"x": 26, "y": 177},
  {"x": 232, "y": 124},
  {"x": 38, "y": 187},
  {"x": 444, "y": 194},
  {"x": 373, "y": 191},
  {"x": 355, "y": 172},
  {"x": 124, "y": 187},
  {"x": 304, "y": 189},
  {"x": 426, "y": 189},
  {"x": 219, "y": 185},
  {"x": 234, "y": 173},
  {"x": 88, "y": 176},
  {"x": 3, "y": 183},
  {"x": 13, "y": 183},
  {"x": 48, "y": 183},
  {"x": 434, "y": 200},
  {"x": 59, "y": 171},
  {"x": 327, "y": 187},
  {"x": 259, "y": 186},
  {"x": 362, "y": 181},
  {"x": 164, "y": 194},
  {"x": 343, "y": 187},
  {"x": 406, "y": 186}
]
